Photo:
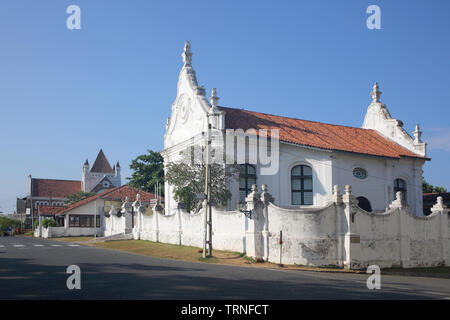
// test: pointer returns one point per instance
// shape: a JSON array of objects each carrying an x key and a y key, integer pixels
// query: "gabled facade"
[{"x": 378, "y": 159}]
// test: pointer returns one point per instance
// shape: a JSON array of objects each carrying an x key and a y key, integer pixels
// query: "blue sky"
[{"x": 64, "y": 94}]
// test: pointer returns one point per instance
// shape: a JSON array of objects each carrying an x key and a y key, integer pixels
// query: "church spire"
[
  {"x": 375, "y": 93},
  {"x": 187, "y": 54}
]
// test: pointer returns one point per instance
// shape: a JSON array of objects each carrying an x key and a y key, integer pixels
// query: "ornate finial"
[
  {"x": 348, "y": 189},
  {"x": 375, "y": 93},
  {"x": 336, "y": 189},
  {"x": 439, "y": 206},
  {"x": 214, "y": 98},
  {"x": 187, "y": 54},
  {"x": 417, "y": 135}
]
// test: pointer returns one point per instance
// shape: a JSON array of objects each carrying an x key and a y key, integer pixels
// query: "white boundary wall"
[{"x": 337, "y": 234}]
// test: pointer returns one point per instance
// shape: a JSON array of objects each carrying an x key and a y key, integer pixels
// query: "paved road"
[{"x": 36, "y": 269}]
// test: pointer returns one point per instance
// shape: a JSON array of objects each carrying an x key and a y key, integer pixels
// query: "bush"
[{"x": 49, "y": 223}]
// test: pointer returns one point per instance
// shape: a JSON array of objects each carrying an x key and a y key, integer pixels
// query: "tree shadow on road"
[{"x": 22, "y": 278}]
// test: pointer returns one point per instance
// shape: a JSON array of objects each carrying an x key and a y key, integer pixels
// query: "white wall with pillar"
[{"x": 337, "y": 234}]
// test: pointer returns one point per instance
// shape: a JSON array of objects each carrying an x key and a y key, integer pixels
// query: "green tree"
[
  {"x": 78, "y": 196},
  {"x": 148, "y": 169},
  {"x": 6, "y": 222},
  {"x": 48, "y": 222},
  {"x": 188, "y": 179},
  {"x": 429, "y": 188}
]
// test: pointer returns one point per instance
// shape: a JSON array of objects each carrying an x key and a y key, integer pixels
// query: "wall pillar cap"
[
  {"x": 266, "y": 197},
  {"x": 439, "y": 205},
  {"x": 398, "y": 202}
]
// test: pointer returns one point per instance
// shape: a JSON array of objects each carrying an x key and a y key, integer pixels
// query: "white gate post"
[
  {"x": 443, "y": 232},
  {"x": 352, "y": 240}
]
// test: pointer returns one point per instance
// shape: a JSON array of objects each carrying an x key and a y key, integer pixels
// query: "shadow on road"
[{"x": 25, "y": 279}]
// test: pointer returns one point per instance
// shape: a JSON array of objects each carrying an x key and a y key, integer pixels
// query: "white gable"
[{"x": 188, "y": 117}]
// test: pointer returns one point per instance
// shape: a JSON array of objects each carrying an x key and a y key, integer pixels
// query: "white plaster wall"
[
  {"x": 398, "y": 238},
  {"x": 378, "y": 187},
  {"x": 54, "y": 232},
  {"x": 192, "y": 229},
  {"x": 380, "y": 240},
  {"x": 169, "y": 231},
  {"x": 312, "y": 236},
  {"x": 114, "y": 225},
  {"x": 309, "y": 237},
  {"x": 229, "y": 230}
]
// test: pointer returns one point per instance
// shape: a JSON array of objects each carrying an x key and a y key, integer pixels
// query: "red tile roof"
[
  {"x": 317, "y": 134},
  {"x": 101, "y": 164},
  {"x": 54, "y": 188},
  {"x": 117, "y": 193},
  {"x": 46, "y": 210}
]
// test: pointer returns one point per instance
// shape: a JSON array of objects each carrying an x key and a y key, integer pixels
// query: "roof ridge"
[
  {"x": 56, "y": 179},
  {"x": 317, "y": 134},
  {"x": 293, "y": 118}
]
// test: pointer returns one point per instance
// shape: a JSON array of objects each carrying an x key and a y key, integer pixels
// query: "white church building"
[
  {"x": 377, "y": 160},
  {"x": 329, "y": 195}
]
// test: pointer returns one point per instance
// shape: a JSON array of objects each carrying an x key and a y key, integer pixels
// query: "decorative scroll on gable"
[{"x": 379, "y": 119}]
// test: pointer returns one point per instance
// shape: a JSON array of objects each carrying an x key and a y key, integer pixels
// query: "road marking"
[
  {"x": 38, "y": 245},
  {"x": 56, "y": 245},
  {"x": 18, "y": 245},
  {"x": 2, "y": 246},
  {"x": 73, "y": 245}
]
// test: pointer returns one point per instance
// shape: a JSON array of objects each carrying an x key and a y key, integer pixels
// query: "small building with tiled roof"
[
  {"x": 54, "y": 192},
  {"x": 81, "y": 217},
  {"x": 303, "y": 159}
]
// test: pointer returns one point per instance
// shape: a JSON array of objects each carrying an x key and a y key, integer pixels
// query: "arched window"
[
  {"x": 364, "y": 204},
  {"x": 247, "y": 177},
  {"x": 400, "y": 185},
  {"x": 301, "y": 185}
]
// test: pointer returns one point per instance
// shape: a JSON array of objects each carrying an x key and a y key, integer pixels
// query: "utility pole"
[
  {"x": 207, "y": 193},
  {"x": 207, "y": 237}
]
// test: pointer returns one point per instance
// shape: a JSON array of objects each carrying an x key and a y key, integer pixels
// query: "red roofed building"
[
  {"x": 80, "y": 218},
  {"x": 54, "y": 192},
  {"x": 303, "y": 159}
]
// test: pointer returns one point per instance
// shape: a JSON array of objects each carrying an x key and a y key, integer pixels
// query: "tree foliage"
[
  {"x": 148, "y": 169},
  {"x": 188, "y": 179},
  {"x": 429, "y": 188},
  {"x": 48, "y": 222},
  {"x": 78, "y": 196},
  {"x": 6, "y": 222}
]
